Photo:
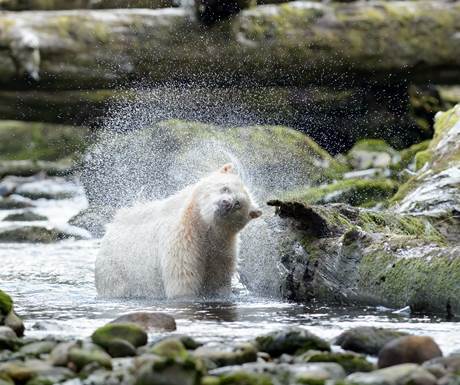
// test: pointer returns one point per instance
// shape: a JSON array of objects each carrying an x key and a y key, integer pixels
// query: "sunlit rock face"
[{"x": 435, "y": 190}]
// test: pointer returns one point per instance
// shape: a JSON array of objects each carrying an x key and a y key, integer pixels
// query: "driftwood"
[{"x": 293, "y": 43}]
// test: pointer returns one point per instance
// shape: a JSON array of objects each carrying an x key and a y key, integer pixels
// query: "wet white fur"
[{"x": 180, "y": 246}]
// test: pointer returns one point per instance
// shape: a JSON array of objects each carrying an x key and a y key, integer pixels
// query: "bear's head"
[{"x": 224, "y": 201}]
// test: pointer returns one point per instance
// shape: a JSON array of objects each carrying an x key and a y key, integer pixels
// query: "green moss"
[
  {"x": 6, "y": 303},
  {"x": 421, "y": 158},
  {"x": 38, "y": 141},
  {"x": 350, "y": 362},
  {"x": 428, "y": 282},
  {"x": 356, "y": 192},
  {"x": 170, "y": 348},
  {"x": 374, "y": 145},
  {"x": 245, "y": 378},
  {"x": 130, "y": 332},
  {"x": 408, "y": 155}
]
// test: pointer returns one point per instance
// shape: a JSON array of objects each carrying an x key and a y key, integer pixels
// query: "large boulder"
[
  {"x": 39, "y": 141},
  {"x": 434, "y": 191},
  {"x": 343, "y": 254}
]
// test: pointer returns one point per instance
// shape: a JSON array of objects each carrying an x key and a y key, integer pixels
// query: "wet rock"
[
  {"x": 8, "y": 317},
  {"x": 433, "y": 191},
  {"x": 367, "y": 339},
  {"x": 404, "y": 374},
  {"x": 34, "y": 234},
  {"x": 59, "y": 356},
  {"x": 414, "y": 349},
  {"x": 53, "y": 188},
  {"x": 12, "y": 204},
  {"x": 224, "y": 355},
  {"x": 271, "y": 373},
  {"x": 26, "y": 216},
  {"x": 170, "y": 363},
  {"x": 129, "y": 332},
  {"x": 350, "y": 362},
  {"x": 24, "y": 371},
  {"x": 39, "y": 142},
  {"x": 32, "y": 167},
  {"x": 8, "y": 338},
  {"x": 93, "y": 219},
  {"x": 38, "y": 348},
  {"x": 372, "y": 153},
  {"x": 170, "y": 348},
  {"x": 120, "y": 348},
  {"x": 5, "y": 379},
  {"x": 444, "y": 365},
  {"x": 291, "y": 340},
  {"x": 85, "y": 354},
  {"x": 344, "y": 254},
  {"x": 149, "y": 321}
]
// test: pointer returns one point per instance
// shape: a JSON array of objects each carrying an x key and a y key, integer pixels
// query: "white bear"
[{"x": 181, "y": 246}]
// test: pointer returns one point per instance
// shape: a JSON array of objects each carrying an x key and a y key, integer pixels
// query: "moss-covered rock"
[
  {"x": 38, "y": 348},
  {"x": 129, "y": 332},
  {"x": 367, "y": 339},
  {"x": 12, "y": 204},
  {"x": 434, "y": 190},
  {"x": 355, "y": 192},
  {"x": 350, "y": 362},
  {"x": 32, "y": 234},
  {"x": 85, "y": 354},
  {"x": 31, "y": 167},
  {"x": 39, "y": 141},
  {"x": 404, "y": 374},
  {"x": 291, "y": 340},
  {"x": 6, "y": 303},
  {"x": 372, "y": 153},
  {"x": 221, "y": 355},
  {"x": 26, "y": 216},
  {"x": 171, "y": 348},
  {"x": 342, "y": 254}
]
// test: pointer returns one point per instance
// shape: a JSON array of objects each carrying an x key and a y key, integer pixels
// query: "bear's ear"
[
  {"x": 255, "y": 213},
  {"x": 227, "y": 169}
]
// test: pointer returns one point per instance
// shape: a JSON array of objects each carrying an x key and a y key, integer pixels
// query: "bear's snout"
[{"x": 225, "y": 206}]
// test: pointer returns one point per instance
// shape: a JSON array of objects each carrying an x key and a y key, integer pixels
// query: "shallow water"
[{"x": 53, "y": 288}]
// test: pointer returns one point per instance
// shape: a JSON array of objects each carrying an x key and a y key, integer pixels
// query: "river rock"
[
  {"x": 414, "y": 349},
  {"x": 367, "y": 339},
  {"x": 8, "y": 338},
  {"x": 32, "y": 167},
  {"x": 129, "y": 332},
  {"x": 372, "y": 153},
  {"x": 403, "y": 374},
  {"x": 59, "y": 356},
  {"x": 271, "y": 373},
  {"x": 443, "y": 365},
  {"x": 224, "y": 355},
  {"x": 120, "y": 348},
  {"x": 39, "y": 141},
  {"x": 38, "y": 348},
  {"x": 23, "y": 371},
  {"x": 86, "y": 353},
  {"x": 291, "y": 340},
  {"x": 31, "y": 234},
  {"x": 12, "y": 204},
  {"x": 149, "y": 321},
  {"x": 51, "y": 188},
  {"x": 349, "y": 361},
  {"x": 26, "y": 216},
  {"x": 8, "y": 317}
]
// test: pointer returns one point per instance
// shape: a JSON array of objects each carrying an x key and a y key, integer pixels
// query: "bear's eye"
[{"x": 225, "y": 190}]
